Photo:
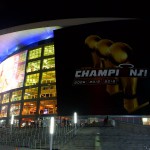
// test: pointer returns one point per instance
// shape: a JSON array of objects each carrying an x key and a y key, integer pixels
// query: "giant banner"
[
  {"x": 103, "y": 68},
  {"x": 12, "y": 72}
]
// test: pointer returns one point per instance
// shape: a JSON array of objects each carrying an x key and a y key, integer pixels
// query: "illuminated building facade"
[
  {"x": 27, "y": 71},
  {"x": 28, "y": 85}
]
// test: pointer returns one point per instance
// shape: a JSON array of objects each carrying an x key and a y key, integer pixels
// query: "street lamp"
[
  {"x": 51, "y": 130},
  {"x": 75, "y": 121}
]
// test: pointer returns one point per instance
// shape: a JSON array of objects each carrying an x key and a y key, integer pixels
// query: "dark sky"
[{"x": 17, "y": 12}]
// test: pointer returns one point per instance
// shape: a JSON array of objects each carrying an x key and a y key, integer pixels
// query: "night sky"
[{"x": 13, "y": 13}]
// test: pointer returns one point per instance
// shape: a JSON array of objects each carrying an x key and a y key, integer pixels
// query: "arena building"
[{"x": 27, "y": 70}]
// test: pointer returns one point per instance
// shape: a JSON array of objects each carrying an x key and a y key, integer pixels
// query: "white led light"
[
  {"x": 75, "y": 117},
  {"x": 12, "y": 119},
  {"x": 51, "y": 125}
]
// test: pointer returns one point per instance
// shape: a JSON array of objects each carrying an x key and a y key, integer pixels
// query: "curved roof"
[{"x": 15, "y": 38}]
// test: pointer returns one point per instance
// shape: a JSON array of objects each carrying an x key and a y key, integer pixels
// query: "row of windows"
[
  {"x": 29, "y": 93},
  {"x": 27, "y": 77},
  {"x": 48, "y": 63},
  {"x": 36, "y": 53},
  {"x": 47, "y": 77},
  {"x": 30, "y": 108}
]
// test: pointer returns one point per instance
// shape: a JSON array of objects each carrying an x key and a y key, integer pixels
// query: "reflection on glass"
[
  {"x": 49, "y": 50},
  {"x": 5, "y": 98},
  {"x": 29, "y": 108},
  {"x": 48, "y": 77},
  {"x": 35, "y": 53},
  {"x": 33, "y": 66},
  {"x": 15, "y": 109},
  {"x": 32, "y": 79},
  {"x": 48, "y": 63},
  {"x": 48, "y": 91},
  {"x": 31, "y": 93},
  {"x": 48, "y": 107},
  {"x": 16, "y": 95}
]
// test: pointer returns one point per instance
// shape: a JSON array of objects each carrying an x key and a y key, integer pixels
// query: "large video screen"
[
  {"x": 103, "y": 68},
  {"x": 12, "y": 72}
]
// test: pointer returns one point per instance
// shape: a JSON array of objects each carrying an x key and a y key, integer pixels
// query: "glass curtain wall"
[{"x": 38, "y": 94}]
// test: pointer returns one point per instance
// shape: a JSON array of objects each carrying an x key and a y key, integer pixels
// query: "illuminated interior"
[
  {"x": 16, "y": 95},
  {"x": 15, "y": 109},
  {"x": 29, "y": 108},
  {"x": 35, "y": 95},
  {"x": 28, "y": 87},
  {"x": 146, "y": 120},
  {"x": 48, "y": 107}
]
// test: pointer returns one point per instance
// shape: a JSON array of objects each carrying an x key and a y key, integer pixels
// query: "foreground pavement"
[
  {"x": 119, "y": 139},
  {"x": 5, "y": 147},
  {"x": 101, "y": 138}
]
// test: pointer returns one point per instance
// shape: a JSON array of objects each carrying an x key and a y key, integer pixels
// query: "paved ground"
[
  {"x": 2, "y": 147},
  {"x": 86, "y": 139},
  {"x": 119, "y": 139},
  {"x": 101, "y": 138}
]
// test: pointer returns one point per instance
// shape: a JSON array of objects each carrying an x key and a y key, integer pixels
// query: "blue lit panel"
[{"x": 11, "y": 42}]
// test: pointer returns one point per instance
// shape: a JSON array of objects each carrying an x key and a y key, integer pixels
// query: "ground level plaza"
[{"x": 94, "y": 136}]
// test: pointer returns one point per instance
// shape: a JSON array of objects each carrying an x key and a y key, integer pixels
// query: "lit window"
[
  {"x": 35, "y": 53},
  {"x": 4, "y": 111},
  {"x": 29, "y": 108},
  {"x": 31, "y": 93},
  {"x": 48, "y": 91},
  {"x": 15, "y": 109},
  {"x": 48, "y": 107},
  {"x": 27, "y": 122},
  {"x": 5, "y": 98},
  {"x": 48, "y": 77},
  {"x": 49, "y": 50},
  {"x": 16, "y": 95},
  {"x": 33, "y": 66},
  {"x": 32, "y": 79},
  {"x": 48, "y": 63}
]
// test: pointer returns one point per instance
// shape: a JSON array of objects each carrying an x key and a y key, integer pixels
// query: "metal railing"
[{"x": 36, "y": 137}]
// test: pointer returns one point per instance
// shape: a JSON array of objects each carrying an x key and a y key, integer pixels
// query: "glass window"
[
  {"x": 35, "y": 53},
  {"x": 15, "y": 122},
  {"x": 48, "y": 77},
  {"x": 27, "y": 122},
  {"x": 15, "y": 109},
  {"x": 32, "y": 79},
  {"x": 48, "y": 63},
  {"x": 5, "y": 98},
  {"x": 31, "y": 93},
  {"x": 4, "y": 111},
  {"x": 49, "y": 50},
  {"x": 48, "y": 91},
  {"x": 29, "y": 108},
  {"x": 2, "y": 123},
  {"x": 16, "y": 95},
  {"x": 48, "y": 107},
  {"x": 33, "y": 66}
]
